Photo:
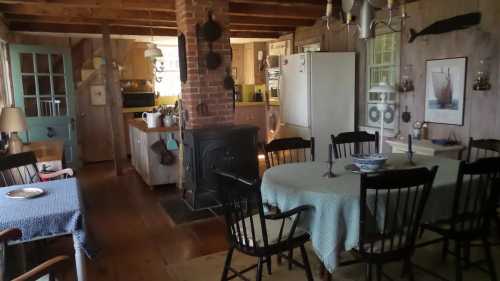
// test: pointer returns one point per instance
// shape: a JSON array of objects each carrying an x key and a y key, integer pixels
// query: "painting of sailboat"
[{"x": 445, "y": 90}]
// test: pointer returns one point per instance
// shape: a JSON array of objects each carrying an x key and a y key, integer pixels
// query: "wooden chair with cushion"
[
  {"x": 349, "y": 143},
  {"x": 21, "y": 169},
  {"x": 50, "y": 267},
  {"x": 473, "y": 199},
  {"x": 391, "y": 207},
  {"x": 288, "y": 150},
  {"x": 254, "y": 233}
]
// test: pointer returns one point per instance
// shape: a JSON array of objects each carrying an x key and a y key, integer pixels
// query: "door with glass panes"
[{"x": 42, "y": 79}]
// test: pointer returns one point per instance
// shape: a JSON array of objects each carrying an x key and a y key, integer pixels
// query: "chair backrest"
[
  {"x": 482, "y": 148},
  {"x": 474, "y": 196},
  {"x": 288, "y": 150},
  {"x": 18, "y": 168},
  {"x": 6, "y": 236},
  {"x": 391, "y": 207},
  {"x": 243, "y": 211},
  {"x": 349, "y": 143}
]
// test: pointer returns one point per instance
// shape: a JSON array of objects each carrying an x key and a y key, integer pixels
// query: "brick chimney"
[{"x": 205, "y": 85}]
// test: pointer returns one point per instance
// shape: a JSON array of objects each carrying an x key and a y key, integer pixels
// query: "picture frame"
[
  {"x": 445, "y": 90},
  {"x": 97, "y": 95}
]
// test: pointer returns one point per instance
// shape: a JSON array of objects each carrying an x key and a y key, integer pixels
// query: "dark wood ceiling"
[{"x": 248, "y": 18}]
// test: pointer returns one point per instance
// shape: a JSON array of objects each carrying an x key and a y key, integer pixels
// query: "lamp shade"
[
  {"x": 152, "y": 52},
  {"x": 13, "y": 120},
  {"x": 382, "y": 87}
]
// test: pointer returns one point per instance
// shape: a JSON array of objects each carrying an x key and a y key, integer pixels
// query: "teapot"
[{"x": 152, "y": 119}]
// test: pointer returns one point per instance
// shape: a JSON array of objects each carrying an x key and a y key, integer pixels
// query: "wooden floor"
[{"x": 137, "y": 239}]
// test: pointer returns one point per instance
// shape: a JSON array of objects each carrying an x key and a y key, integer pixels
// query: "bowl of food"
[{"x": 369, "y": 162}]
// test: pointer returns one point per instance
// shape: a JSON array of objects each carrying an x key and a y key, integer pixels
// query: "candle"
[
  {"x": 409, "y": 144},
  {"x": 330, "y": 150}
]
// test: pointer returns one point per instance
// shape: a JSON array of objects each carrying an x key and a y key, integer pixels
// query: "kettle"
[{"x": 152, "y": 119}]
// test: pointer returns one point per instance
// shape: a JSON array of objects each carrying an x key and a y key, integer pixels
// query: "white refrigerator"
[{"x": 317, "y": 97}]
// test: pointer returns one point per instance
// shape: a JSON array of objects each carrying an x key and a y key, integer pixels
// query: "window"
[
  {"x": 167, "y": 73},
  {"x": 382, "y": 66}
]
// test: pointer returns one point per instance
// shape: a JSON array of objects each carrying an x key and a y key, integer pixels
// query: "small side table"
[{"x": 426, "y": 147}]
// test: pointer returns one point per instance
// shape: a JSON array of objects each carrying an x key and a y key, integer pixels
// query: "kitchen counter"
[
  {"x": 137, "y": 109},
  {"x": 250, "y": 103},
  {"x": 141, "y": 125}
]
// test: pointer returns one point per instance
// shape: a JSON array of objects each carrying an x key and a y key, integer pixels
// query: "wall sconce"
[
  {"x": 482, "y": 80},
  {"x": 367, "y": 20},
  {"x": 406, "y": 83}
]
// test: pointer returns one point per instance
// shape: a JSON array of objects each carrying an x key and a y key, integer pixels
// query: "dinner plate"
[{"x": 25, "y": 193}]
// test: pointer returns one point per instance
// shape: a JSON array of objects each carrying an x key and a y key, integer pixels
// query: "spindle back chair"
[
  {"x": 349, "y": 143},
  {"x": 288, "y": 150}
]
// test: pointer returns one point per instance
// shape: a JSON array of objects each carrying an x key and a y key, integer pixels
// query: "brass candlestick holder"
[
  {"x": 409, "y": 154},
  {"x": 330, "y": 173}
]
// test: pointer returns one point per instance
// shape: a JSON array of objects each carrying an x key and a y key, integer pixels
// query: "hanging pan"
[
  {"x": 212, "y": 59},
  {"x": 211, "y": 30}
]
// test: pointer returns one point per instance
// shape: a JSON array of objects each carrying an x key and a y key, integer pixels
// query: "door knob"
[{"x": 51, "y": 132}]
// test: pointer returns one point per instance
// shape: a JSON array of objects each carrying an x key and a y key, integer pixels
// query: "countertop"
[
  {"x": 45, "y": 151},
  {"x": 137, "y": 109},
  {"x": 141, "y": 125},
  {"x": 250, "y": 103}
]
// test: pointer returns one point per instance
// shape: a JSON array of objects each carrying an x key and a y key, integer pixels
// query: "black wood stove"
[{"x": 232, "y": 148}]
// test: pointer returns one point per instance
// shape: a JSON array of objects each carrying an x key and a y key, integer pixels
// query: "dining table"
[
  {"x": 333, "y": 224},
  {"x": 58, "y": 212}
]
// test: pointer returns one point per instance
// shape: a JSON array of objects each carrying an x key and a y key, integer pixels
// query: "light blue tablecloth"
[
  {"x": 334, "y": 224},
  {"x": 58, "y": 212}
]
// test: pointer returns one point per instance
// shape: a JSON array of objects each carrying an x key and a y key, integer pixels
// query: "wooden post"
[{"x": 113, "y": 104}]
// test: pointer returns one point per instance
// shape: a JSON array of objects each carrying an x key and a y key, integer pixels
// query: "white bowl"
[{"x": 369, "y": 162}]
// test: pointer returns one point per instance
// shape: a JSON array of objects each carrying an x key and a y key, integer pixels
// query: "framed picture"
[
  {"x": 445, "y": 91},
  {"x": 97, "y": 95}
]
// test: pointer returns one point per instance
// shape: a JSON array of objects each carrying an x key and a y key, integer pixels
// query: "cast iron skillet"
[
  {"x": 211, "y": 30},
  {"x": 212, "y": 59}
]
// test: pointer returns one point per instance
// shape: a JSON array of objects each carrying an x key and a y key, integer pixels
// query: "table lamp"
[
  {"x": 13, "y": 121},
  {"x": 383, "y": 89}
]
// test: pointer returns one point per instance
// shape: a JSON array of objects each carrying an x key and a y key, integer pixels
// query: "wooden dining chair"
[
  {"x": 391, "y": 207},
  {"x": 482, "y": 148},
  {"x": 254, "y": 233},
  {"x": 349, "y": 143},
  {"x": 21, "y": 168},
  {"x": 470, "y": 216},
  {"x": 50, "y": 267},
  {"x": 288, "y": 150}
]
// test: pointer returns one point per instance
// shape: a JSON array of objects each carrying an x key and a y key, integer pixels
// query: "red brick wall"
[{"x": 204, "y": 85}]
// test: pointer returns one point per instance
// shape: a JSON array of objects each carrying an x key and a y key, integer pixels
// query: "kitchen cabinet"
[
  {"x": 135, "y": 65},
  {"x": 237, "y": 63},
  {"x": 254, "y": 71},
  {"x": 144, "y": 160}
]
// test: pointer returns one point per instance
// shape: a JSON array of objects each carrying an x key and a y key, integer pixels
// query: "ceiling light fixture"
[
  {"x": 328, "y": 18},
  {"x": 152, "y": 52}
]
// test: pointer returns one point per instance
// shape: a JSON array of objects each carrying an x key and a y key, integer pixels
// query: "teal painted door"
[{"x": 42, "y": 78}]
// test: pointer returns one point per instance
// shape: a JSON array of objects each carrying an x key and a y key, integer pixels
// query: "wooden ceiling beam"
[
  {"x": 97, "y": 13},
  {"x": 79, "y": 20},
  {"x": 158, "y": 5},
  {"x": 88, "y": 28},
  {"x": 125, "y": 22},
  {"x": 269, "y": 21},
  {"x": 276, "y": 11},
  {"x": 284, "y": 2},
  {"x": 123, "y": 30}
]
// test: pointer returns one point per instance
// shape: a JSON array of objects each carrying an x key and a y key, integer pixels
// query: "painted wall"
[{"x": 482, "y": 110}]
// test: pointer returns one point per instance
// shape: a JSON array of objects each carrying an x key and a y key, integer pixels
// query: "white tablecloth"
[{"x": 334, "y": 224}]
